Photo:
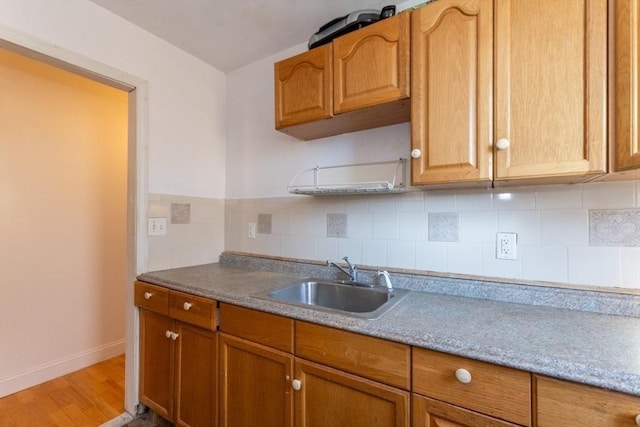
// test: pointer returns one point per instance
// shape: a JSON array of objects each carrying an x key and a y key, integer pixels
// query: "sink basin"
[{"x": 324, "y": 295}]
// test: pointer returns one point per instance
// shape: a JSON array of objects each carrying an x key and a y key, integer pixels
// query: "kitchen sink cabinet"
[
  {"x": 358, "y": 81},
  {"x": 561, "y": 403},
  {"x": 627, "y": 84},
  {"x": 256, "y": 368},
  {"x": 177, "y": 357},
  {"x": 524, "y": 89},
  {"x": 330, "y": 397}
]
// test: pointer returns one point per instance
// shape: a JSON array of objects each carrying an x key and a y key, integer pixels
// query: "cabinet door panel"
[
  {"x": 550, "y": 87},
  {"x": 372, "y": 65},
  {"x": 196, "y": 376},
  {"x": 433, "y": 413},
  {"x": 303, "y": 87},
  {"x": 627, "y": 84},
  {"x": 156, "y": 363},
  {"x": 255, "y": 385},
  {"x": 452, "y": 71},
  {"x": 330, "y": 398}
]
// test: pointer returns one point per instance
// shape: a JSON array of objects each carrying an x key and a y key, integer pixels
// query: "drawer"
[
  {"x": 561, "y": 403},
  {"x": 257, "y": 326},
  {"x": 151, "y": 297},
  {"x": 378, "y": 359},
  {"x": 192, "y": 309},
  {"x": 494, "y": 390}
]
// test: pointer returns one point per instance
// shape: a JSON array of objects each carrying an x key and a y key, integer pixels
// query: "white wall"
[
  {"x": 63, "y": 221},
  {"x": 186, "y": 96}
]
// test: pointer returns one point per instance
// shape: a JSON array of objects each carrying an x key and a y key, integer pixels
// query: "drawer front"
[
  {"x": 257, "y": 326},
  {"x": 192, "y": 309},
  {"x": 561, "y": 403},
  {"x": 374, "y": 358},
  {"x": 151, "y": 297},
  {"x": 501, "y": 392}
]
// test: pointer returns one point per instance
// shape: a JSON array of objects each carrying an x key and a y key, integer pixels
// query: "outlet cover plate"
[{"x": 506, "y": 245}]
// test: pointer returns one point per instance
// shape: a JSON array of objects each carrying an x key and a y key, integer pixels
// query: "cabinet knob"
[
  {"x": 168, "y": 334},
  {"x": 186, "y": 306},
  {"x": 174, "y": 336},
  {"x": 416, "y": 153},
  {"x": 638, "y": 420},
  {"x": 502, "y": 144},
  {"x": 296, "y": 384},
  {"x": 463, "y": 376},
  {"x": 147, "y": 295}
]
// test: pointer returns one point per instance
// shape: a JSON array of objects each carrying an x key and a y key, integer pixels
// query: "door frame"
[{"x": 137, "y": 170}]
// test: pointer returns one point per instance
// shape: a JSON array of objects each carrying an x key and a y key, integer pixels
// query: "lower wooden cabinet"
[
  {"x": 255, "y": 385},
  {"x": 178, "y": 360},
  {"x": 434, "y": 413},
  {"x": 561, "y": 403},
  {"x": 329, "y": 397}
]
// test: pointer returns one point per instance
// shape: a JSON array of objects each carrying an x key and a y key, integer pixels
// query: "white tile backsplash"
[{"x": 552, "y": 223}]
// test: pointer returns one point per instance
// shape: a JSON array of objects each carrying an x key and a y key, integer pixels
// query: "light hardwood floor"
[{"x": 85, "y": 398}]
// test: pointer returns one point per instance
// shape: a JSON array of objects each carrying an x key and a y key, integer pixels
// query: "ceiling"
[{"x": 231, "y": 33}]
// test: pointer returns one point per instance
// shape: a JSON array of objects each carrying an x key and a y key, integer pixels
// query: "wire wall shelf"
[{"x": 364, "y": 178}]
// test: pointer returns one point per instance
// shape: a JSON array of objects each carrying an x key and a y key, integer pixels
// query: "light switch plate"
[{"x": 157, "y": 226}]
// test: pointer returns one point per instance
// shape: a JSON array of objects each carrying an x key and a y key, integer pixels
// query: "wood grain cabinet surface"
[
  {"x": 358, "y": 81},
  {"x": 451, "y": 81},
  {"x": 627, "y": 84},
  {"x": 434, "y": 413},
  {"x": 522, "y": 91},
  {"x": 561, "y": 403},
  {"x": 178, "y": 358},
  {"x": 497, "y": 391}
]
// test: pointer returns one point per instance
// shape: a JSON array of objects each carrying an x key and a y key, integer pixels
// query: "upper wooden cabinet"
[
  {"x": 550, "y": 90},
  {"x": 359, "y": 81},
  {"x": 627, "y": 84},
  {"x": 451, "y": 77},
  {"x": 540, "y": 116}
]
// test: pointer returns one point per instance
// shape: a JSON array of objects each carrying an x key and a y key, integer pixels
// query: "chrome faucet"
[{"x": 353, "y": 270}]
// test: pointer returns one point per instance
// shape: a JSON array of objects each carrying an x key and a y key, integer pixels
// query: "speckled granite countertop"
[{"x": 589, "y": 347}]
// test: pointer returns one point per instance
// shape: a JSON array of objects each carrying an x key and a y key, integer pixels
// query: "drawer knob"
[
  {"x": 416, "y": 153},
  {"x": 296, "y": 384},
  {"x": 168, "y": 334},
  {"x": 186, "y": 306},
  {"x": 502, "y": 144},
  {"x": 638, "y": 420},
  {"x": 463, "y": 376},
  {"x": 147, "y": 295}
]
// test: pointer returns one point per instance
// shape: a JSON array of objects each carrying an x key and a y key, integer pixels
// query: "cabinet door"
[
  {"x": 451, "y": 77},
  {"x": 156, "y": 363},
  {"x": 328, "y": 397},
  {"x": 560, "y": 403},
  {"x": 433, "y": 413},
  {"x": 550, "y": 87},
  {"x": 627, "y": 84},
  {"x": 255, "y": 385},
  {"x": 196, "y": 356},
  {"x": 371, "y": 65},
  {"x": 303, "y": 87}
]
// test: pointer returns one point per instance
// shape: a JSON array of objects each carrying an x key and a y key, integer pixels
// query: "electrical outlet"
[
  {"x": 156, "y": 226},
  {"x": 251, "y": 231},
  {"x": 506, "y": 245}
]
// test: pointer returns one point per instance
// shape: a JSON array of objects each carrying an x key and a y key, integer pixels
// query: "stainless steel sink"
[{"x": 324, "y": 295}]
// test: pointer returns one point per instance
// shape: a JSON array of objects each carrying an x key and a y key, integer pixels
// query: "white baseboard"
[
  {"x": 119, "y": 421},
  {"x": 58, "y": 368}
]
